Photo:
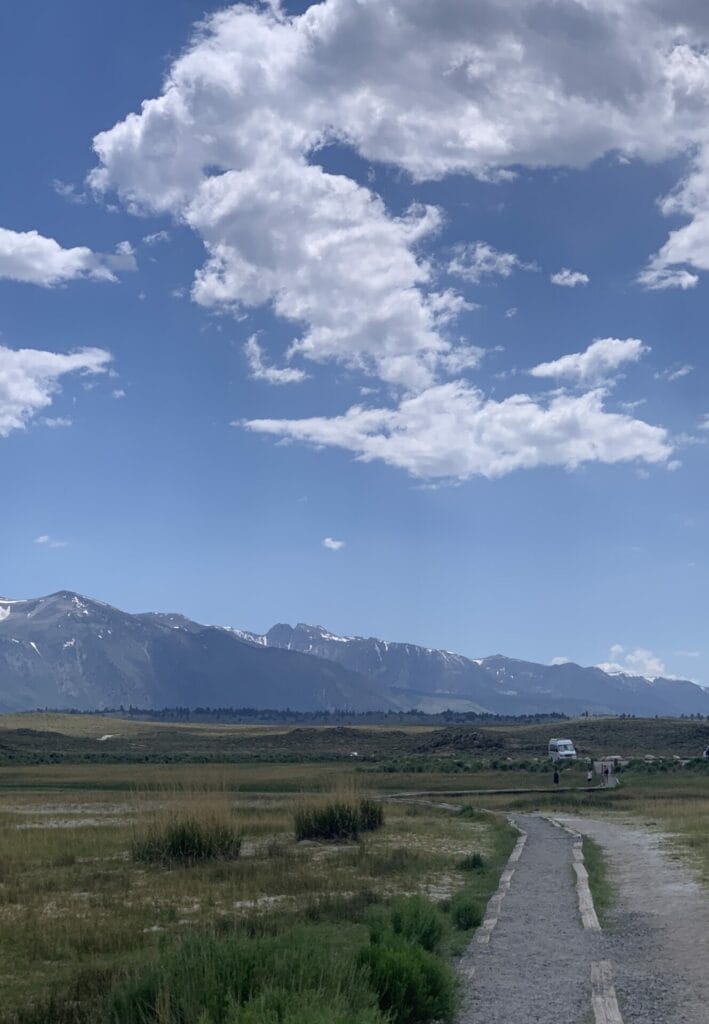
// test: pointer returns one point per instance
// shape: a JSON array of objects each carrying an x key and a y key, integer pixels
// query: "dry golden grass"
[
  {"x": 55, "y": 781},
  {"x": 103, "y": 725}
]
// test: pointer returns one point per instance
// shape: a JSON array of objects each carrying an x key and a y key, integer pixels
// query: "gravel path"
[
  {"x": 537, "y": 966},
  {"x": 658, "y": 933}
]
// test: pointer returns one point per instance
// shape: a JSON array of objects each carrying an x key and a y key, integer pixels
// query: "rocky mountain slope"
[
  {"x": 67, "y": 651},
  {"x": 435, "y": 680}
]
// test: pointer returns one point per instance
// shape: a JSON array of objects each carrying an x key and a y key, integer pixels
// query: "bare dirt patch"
[{"x": 659, "y": 927}]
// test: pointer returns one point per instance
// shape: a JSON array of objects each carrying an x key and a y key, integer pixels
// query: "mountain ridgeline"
[{"x": 68, "y": 651}]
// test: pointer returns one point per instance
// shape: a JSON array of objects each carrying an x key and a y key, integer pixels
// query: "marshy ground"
[{"x": 79, "y": 911}]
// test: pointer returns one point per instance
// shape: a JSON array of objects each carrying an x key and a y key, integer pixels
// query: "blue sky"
[{"x": 432, "y": 286}]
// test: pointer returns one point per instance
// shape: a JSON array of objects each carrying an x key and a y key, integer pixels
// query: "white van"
[{"x": 562, "y": 750}]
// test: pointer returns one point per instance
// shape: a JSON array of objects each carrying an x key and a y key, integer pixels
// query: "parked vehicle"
[{"x": 562, "y": 750}]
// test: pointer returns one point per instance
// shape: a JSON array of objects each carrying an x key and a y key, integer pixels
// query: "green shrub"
[
  {"x": 379, "y": 921},
  {"x": 307, "y": 974},
  {"x": 418, "y": 920},
  {"x": 465, "y": 911},
  {"x": 412, "y": 985},
  {"x": 187, "y": 840},
  {"x": 473, "y": 862},
  {"x": 338, "y": 821},
  {"x": 77, "y": 1003},
  {"x": 371, "y": 815},
  {"x": 310, "y": 1007}
]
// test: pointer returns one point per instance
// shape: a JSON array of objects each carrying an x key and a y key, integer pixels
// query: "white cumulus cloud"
[
  {"x": 479, "y": 88},
  {"x": 687, "y": 248},
  {"x": 156, "y": 237},
  {"x": 477, "y": 260},
  {"x": 29, "y": 379},
  {"x": 55, "y": 422},
  {"x": 231, "y": 146},
  {"x": 67, "y": 190},
  {"x": 566, "y": 278},
  {"x": 31, "y": 258},
  {"x": 50, "y": 542},
  {"x": 674, "y": 372},
  {"x": 636, "y": 662},
  {"x": 333, "y": 545},
  {"x": 599, "y": 362},
  {"x": 260, "y": 370},
  {"x": 453, "y": 430}
]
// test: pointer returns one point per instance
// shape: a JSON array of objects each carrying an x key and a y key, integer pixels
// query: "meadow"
[{"x": 93, "y": 929}]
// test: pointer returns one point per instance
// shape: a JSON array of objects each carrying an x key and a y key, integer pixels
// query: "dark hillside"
[{"x": 146, "y": 742}]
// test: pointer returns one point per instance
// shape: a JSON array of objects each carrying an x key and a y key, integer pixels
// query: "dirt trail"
[
  {"x": 537, "y": 966},
  {"x": 658, "y": 933}
]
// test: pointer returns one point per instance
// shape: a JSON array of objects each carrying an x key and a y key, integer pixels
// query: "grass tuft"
[
  {"x": 338, "y": 820},
  {"x": 371, "y": 815},
  {"x": 597, "y": 868},
  {"x": 473, "y": 862},
  {"x": 188, "y": 835}
]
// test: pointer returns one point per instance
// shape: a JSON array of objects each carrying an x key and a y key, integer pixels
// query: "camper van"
[{"x": 562, "y": 750}]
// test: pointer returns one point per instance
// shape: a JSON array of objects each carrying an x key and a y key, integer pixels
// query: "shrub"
[
  {"x": 307, "y": 974},
  {"x": 310, "y": 1007},
  {"x": 412, "y": 985},
  {"x": 379, "y": 921},
  {"x": 78, "y": 1003},
  {"x": 187, "y": 839},
  {"x": 371, "y": 815},
  {"x": 473, "y": 862},
  {"x": 465, "y": 912},
  {"x": 417, "y": 920},
  {"x": 338, "y": 820}
]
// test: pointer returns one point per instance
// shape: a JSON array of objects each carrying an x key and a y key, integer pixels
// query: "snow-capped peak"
[
  {"x": 333, "y": 636},
  {"x": 248, "y": 637}
]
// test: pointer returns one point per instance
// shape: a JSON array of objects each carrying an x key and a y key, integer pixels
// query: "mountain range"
[{"x": 68, "y": 651}]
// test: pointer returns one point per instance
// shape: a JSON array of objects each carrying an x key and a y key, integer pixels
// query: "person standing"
[
  {"x": 556, "y": 776},
  {"x": 589, "y": 776}
]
